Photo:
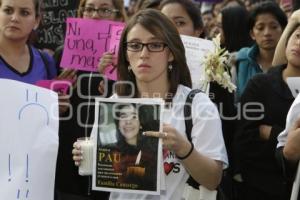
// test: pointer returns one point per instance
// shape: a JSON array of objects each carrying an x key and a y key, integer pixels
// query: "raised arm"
[{"x": 279, "y": 56}]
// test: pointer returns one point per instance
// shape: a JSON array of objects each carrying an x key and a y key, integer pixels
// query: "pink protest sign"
[
  {"x": 85, "y": 42},
  {"x": 116, "y": 31},
  {"x": 61, "y": 86}
]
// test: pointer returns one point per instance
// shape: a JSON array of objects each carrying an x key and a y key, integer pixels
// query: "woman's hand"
[
  {"x": 68, "y": 74},
  {"x": 265, "y": 131},
  {"x": 172, "y": 140},
  {"x": 77, "y": 153},
  {"x": 106, "y": 60},
  {"x": 203, "y": 169},
  {"x": 291, "y": 150},
  {"x": 64, "y": 103},
  {"x": 101, "y": 87}
]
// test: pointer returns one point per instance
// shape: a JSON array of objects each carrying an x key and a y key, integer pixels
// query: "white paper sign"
[
  {"x": 195, "y": 50},
  {"x": 294, "y": 85},
  {"x": 28, "y": 141}
]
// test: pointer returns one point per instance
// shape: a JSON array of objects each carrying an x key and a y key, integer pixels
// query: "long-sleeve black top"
[{"x": 266, "y": 101}]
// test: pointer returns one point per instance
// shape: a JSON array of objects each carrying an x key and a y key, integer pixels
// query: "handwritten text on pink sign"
[{"x": 86, "y": 40}]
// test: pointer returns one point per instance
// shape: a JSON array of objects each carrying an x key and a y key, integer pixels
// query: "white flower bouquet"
[{"x": 217, "y": 67}]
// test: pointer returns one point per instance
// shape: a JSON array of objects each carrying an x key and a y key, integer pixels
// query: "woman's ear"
[
  {"x": 126, "y": 56},
  {"x": 198, "y": 32},
  {"x": 37, "y": 23},
  {"x": 171, "y": 57},
  {"x": 252, "y": 35}
]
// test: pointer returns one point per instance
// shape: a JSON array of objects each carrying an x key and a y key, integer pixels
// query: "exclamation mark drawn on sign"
[
  {"x": 27, "y": 174},
  {"x": 27, "y": 166},
  {"x": 9, "y": 168},
  {"x": 18, "y": 195},
  {"x": 27, "y": 193}
]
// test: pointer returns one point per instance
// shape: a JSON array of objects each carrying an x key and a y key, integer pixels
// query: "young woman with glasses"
[
  {"x": 151, "y": 56},
  {"x": 68, "y": 183}
]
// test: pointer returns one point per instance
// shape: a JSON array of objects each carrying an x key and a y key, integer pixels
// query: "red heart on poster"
[{"x": 168, "y": 167}]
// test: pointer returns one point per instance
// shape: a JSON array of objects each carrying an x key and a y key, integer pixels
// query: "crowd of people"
[{"x": 234, "y": 146}]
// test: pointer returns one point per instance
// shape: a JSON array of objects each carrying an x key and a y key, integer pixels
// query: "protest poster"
[
  {"x": 59, "y": 86},
  {"x": 51, "y": 32},
  {"x": 28, "y": 141},
  {"x": 294, "y": 85},
  {"x": 195, "y": 51},
  {"x": 124, "y": 159},
  {"x": 86, "y": 40}
]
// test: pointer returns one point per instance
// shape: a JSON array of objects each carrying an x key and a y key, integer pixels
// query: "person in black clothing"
[
  {"x": 288, "y": 152},
  {"x": 266, "y": 102},
  {"x": 68, "y": 184}
]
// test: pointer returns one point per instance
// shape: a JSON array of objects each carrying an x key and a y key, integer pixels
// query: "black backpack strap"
[
  {"x": 187, "y": 110},
  {"x": 46, "y": 63},
  {"x": 188, "y": 130}
]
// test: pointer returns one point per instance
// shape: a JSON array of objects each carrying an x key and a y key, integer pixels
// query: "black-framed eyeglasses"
[
  {"x": 103, "y": 12},
  {"x": 151, "y": 46}
]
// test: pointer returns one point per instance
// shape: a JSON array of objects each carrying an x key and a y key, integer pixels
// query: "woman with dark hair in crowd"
[
  {"x": 69, "y": 184},
  {"x": 18, "y": 20},
  {"x": 184, "y": 15},
  {"x": 266, "y": 24},
  {"x": 234, "y": 33},
  {"x": 152, "y": 58}
]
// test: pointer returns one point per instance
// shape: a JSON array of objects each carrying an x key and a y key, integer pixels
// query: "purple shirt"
[{"x": 37, "y": 68}]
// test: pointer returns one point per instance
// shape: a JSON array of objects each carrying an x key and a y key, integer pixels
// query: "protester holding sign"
[
  {"x": 69, "y": 184},
  {"x": 152, "y": 58}
]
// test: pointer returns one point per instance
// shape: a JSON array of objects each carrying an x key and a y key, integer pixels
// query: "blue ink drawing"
[
  {"x": 27, "y": 168},
  {"x": 27, "y": 106},
  {"x": 27, "y": 175},
  {"x": 9, "y": 168}
]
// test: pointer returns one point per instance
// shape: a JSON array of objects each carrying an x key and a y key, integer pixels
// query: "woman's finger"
[{"x": 156, "y": 134}]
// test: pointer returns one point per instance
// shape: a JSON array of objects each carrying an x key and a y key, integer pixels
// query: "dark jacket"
[
  {"x": 272, "y": 99},
  {"x": 80, "y": 123}
]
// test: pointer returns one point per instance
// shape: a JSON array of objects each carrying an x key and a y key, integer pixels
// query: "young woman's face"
[
  {"x": 99, "y": 9},
  {"x": 293, "y": 48},
  {"x": 129, "y": 123},
  {"x": 178, "y": 15},
  {"x": 219, "y": 27},
  {"x": 148, "y": 56},
  {"x": 207, "y": 19},
  {"x": 266, "y": 31},
  {"x": 17, "y": 19}
]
